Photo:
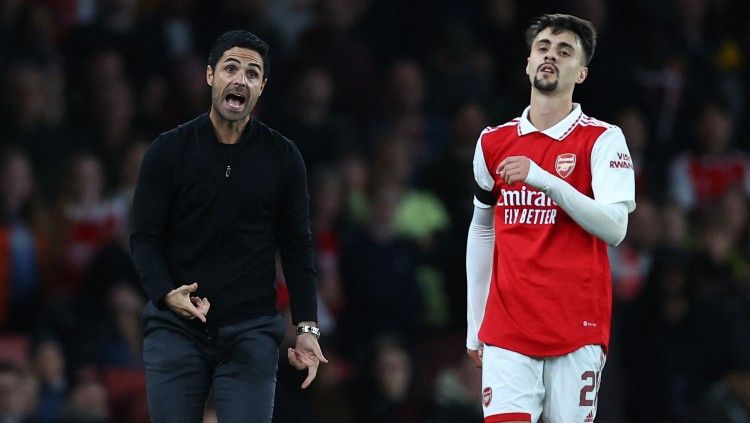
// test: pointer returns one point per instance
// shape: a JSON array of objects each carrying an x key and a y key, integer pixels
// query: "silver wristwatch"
[{"x": 308, "y": 329}]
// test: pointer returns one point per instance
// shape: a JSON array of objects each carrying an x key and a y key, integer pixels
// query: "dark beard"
[
  {"x": 216, "y": 100},
  {"x": 542, "y": 86}
]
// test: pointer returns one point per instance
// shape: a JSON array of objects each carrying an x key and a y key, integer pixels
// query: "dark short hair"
[
  {"x": 243, "y": 39},
  {"x": 561, "y": 22}
]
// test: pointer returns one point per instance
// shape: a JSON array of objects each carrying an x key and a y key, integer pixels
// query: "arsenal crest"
[
  {"x": 564, "y": 164},
  {"x": 487, "y": 396}
]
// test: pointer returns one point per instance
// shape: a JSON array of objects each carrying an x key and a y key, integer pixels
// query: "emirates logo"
[
  {"x": 487, "y": 396},
  {"x": 564, "y": 164}
]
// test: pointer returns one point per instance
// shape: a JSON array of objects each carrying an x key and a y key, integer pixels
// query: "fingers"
[
  {"x": 202, "y": 305},
  {"x": 312, "y": 371},
  {"x": 308, "y": 343},
  {"x": 180, "y": 301},
  {"x": 293, "y": 360},
  {"x": 312, "y": 367},
  {"x": 195, "y": 312},
  {"x": 476, "y": 360},
  {"x": 475, "y": 356},
  {"x": 300, "y": 361},
  {"x": 507, "y": 161},
  {"x": 318, "y": 353},
  {"x": 507, "y": 168},
  {"x": 513, "y": 169},
  {"x": 196, "y": 308}
]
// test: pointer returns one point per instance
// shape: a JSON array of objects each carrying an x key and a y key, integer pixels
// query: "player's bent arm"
[
  {"x": 479, "y": 249},
  {"x": 608, "y": 222}
]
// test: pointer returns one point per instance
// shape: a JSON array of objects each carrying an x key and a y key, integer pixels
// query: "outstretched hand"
[
  {"x": 306, "y": 354},
  {"x": 183, "y": 304}
]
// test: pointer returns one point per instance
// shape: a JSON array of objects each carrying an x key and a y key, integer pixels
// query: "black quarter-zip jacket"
[{"x": 216, "y": 214}]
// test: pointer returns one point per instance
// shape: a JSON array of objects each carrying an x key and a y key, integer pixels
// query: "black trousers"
[{"x": 185, "y": 359}]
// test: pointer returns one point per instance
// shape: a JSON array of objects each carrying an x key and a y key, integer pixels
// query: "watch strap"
[{"x": 308, "y": 329}]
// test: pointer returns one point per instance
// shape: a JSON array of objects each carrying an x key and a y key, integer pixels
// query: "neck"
[
  {"x": 549, "y": 109},
  {"x": 227, "y": 132}
]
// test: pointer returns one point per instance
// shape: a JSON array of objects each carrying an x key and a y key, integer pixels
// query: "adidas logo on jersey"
[{"x": 589, "y": 418}]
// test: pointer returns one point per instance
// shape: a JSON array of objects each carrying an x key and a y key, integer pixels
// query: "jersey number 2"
[{"x": 589, "y": 387}]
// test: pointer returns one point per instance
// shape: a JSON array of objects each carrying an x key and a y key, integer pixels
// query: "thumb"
[
  {"x": 192, "y": 287},
  {"x": 319, "y": 355}
]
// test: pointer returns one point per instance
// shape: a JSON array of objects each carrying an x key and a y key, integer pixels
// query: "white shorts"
[{"x": 561, "y": 389}]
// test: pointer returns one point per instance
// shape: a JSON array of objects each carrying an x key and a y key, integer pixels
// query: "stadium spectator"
[
  {"x": 699, "y": 178},
  {"x": 85, "y": 221},
  {"x": 24, "y": 243},
  {"x": 321, "y": 135},
  {"x": 48, "y": 364}
]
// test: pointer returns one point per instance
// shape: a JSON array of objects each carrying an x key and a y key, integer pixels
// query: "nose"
[
  {"x": 241, "y": 80},
  {"x": 550, "y": 57}
]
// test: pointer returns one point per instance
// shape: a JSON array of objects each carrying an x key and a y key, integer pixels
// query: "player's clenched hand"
[
  {"x": 179, "y": 301},
  {"x": 514, "y": 169},
  {"x": 476, "y": 355}
]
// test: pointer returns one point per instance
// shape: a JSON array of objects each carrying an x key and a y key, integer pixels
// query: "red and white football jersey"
[{"x": 551, "y": 290}]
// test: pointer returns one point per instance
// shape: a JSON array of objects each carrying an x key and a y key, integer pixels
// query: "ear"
[
  {"x": 528, "y": 62},
  {"x": 209, "y": 76},
  {"x": 582, "y": 74},
  {"x": 262, "y": 85}
]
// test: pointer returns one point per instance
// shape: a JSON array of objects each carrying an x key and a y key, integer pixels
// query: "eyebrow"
[
  {"x": 561, "y": 43},
  {"x": 232, "y": 59}
]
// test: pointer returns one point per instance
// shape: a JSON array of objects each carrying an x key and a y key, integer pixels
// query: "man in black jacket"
[{"x": 216, "y": 198}]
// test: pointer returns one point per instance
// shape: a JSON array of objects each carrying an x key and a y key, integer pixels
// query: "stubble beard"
[
  {"x": 231, "y": 117},
  {"x": 542, "y": 85},
  {"x": 225, "y": 114}
]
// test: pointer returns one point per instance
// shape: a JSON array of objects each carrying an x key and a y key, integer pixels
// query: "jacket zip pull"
[{"x": 229, "y": 170}]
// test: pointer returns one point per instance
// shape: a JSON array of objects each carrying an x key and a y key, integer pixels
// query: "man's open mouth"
[
  {"x": 547, "y": 69},
  {"x": 235, "y": 101}
]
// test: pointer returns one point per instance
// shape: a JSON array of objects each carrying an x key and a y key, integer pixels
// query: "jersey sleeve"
[
  {"x": 612, "y": 176},
  {"x": 483, "y": 181}
]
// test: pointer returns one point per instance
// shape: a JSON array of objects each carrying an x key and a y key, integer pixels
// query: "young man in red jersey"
[{"x": 553, "y": 188}]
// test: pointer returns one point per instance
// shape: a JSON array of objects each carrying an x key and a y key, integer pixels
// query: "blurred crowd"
[{"x": 385, "y": 99}]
